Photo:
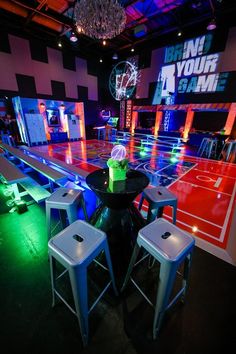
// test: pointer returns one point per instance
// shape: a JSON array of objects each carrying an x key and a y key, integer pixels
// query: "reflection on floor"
[{"x": 205, "y": 188}]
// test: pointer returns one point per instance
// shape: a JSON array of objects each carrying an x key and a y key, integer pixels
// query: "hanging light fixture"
[
  {"x": 212, "y": 24},
  {"x": 100, "y": 19}
]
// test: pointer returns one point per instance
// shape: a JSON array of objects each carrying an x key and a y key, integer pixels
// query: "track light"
[
  {"x": 211, "y": 25},
  {"x": 115, "y": 56},
  {"x": 73, "y": 37}
]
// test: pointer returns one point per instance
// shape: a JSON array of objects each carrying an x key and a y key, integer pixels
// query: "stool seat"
[
  {"x": 63, "y": 197},
  {"x": 171, "y": 246},
  {"x": 161, "y": 246},
  {"x": 67, "y": 199},
  {"x": 75, "y": 248},
  {"x": 158, "y": 197}
]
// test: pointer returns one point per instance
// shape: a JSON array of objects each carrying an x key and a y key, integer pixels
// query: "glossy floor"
[
  {"x": 205, "y": 188},
  {"x": 30, "y": 325}
]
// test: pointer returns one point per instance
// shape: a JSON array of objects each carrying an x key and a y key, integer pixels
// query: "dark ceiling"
[{"x": 52, "y": 21}]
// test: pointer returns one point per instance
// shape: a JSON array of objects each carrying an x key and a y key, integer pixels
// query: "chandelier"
[{"x": 100, "y": 19}]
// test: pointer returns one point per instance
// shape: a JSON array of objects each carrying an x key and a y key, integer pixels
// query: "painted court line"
[
  {"x": 222, "y": 235},
  {"x": 206, "y": 188},
  {"x": 179, "y": 178},
  {"x": 218, "y": 182},
  {"x": 190, "y": 227},
  {"x": 214, "y": 173},
  {"x": 199, "y": 218},
  {"x": 200, "y": 186}
]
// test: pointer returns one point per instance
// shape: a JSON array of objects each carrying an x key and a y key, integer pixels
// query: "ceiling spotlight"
[
  {"x": 140, "y": 30},
  {"x": 196, "y": 4},
  {"x": 59, "y": 44},
  {"x": 73, "y": 37},
  {"x": 179, "y": 34},
  {"x": 115, "y": 56},
  {"x": 211, "y": 25},
  {"x": 104, "y": 42},
  {"x": 79, "y": 29},
  {"x": 132, "y": 49},
  {"x": 100, "y": 60}
]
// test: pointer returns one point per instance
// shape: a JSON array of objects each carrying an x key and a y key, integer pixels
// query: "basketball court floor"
[{"x": 205, "y": 188}]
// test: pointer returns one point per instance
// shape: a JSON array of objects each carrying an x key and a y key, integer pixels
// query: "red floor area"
[{"x": 205, "y": 190}]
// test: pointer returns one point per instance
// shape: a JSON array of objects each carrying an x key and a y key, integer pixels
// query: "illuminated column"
[
  {"x": 134, "y": 121},
  {"x": 188, "y": 123},
  {"x": 159, "y": 115},
  {"x": 230, "y": 119},
  {"x": 122, "y": 114},
  {"x": 128, "y": 116},
  {"x": 63, "y": 119},
  {"x": 42, "y": 110},
  {"x": 79, "y": 110},
  {"x": 168, "y": 114}
]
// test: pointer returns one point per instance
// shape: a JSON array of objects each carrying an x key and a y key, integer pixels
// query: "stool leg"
[
  {"x": 84, "y": 207},
  {"x": 166, "y": 281},
  {"x": 72, "y": 213},
  {"x": 109, "y": 265},
  {"x": 131, "y": 264},
  {"x": 62, "y": 216},
  {"x": 53, "y": 276},
  {"x": 229, "y": 151},
  {"x": 141, "y": 202},
  {"x": 78, "y": 279},
  {"x": 153, "y": 212},
  {"x": 187, "y": 266},
  {"x": 48, "y": 220},
  {"x": 174, "y": 211}
]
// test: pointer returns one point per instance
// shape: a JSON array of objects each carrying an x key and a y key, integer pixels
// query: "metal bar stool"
[
  {"x": 75, "y": 248},
  {"x": 158, "y": 197},
  {"x": 65, "y": 199},
  {"x": 202, "y": 146},
  {"x": 208, "y": 148},
  {"x": 170, "y": 246},
  {"x": 228, "y": 151}
]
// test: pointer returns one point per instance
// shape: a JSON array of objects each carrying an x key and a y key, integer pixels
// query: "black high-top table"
[{"x": 117, "y": 215}]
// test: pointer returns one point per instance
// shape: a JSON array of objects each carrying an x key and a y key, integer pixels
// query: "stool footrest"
[
  {"x": 100, "y": 264},
  {"x": 140, "y": 290},
  {"x": 99, "y": 297},
  {"x": 65, "y": 302},
  {"x": 175, "y": 298}
]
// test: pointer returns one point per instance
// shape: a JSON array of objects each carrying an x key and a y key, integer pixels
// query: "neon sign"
[{"x": 123, "y": 80}]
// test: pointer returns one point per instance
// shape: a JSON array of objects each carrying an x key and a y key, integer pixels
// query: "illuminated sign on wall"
[
  {"x": 190, "y": 69},
  {"x": 123, "y": 80}
]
